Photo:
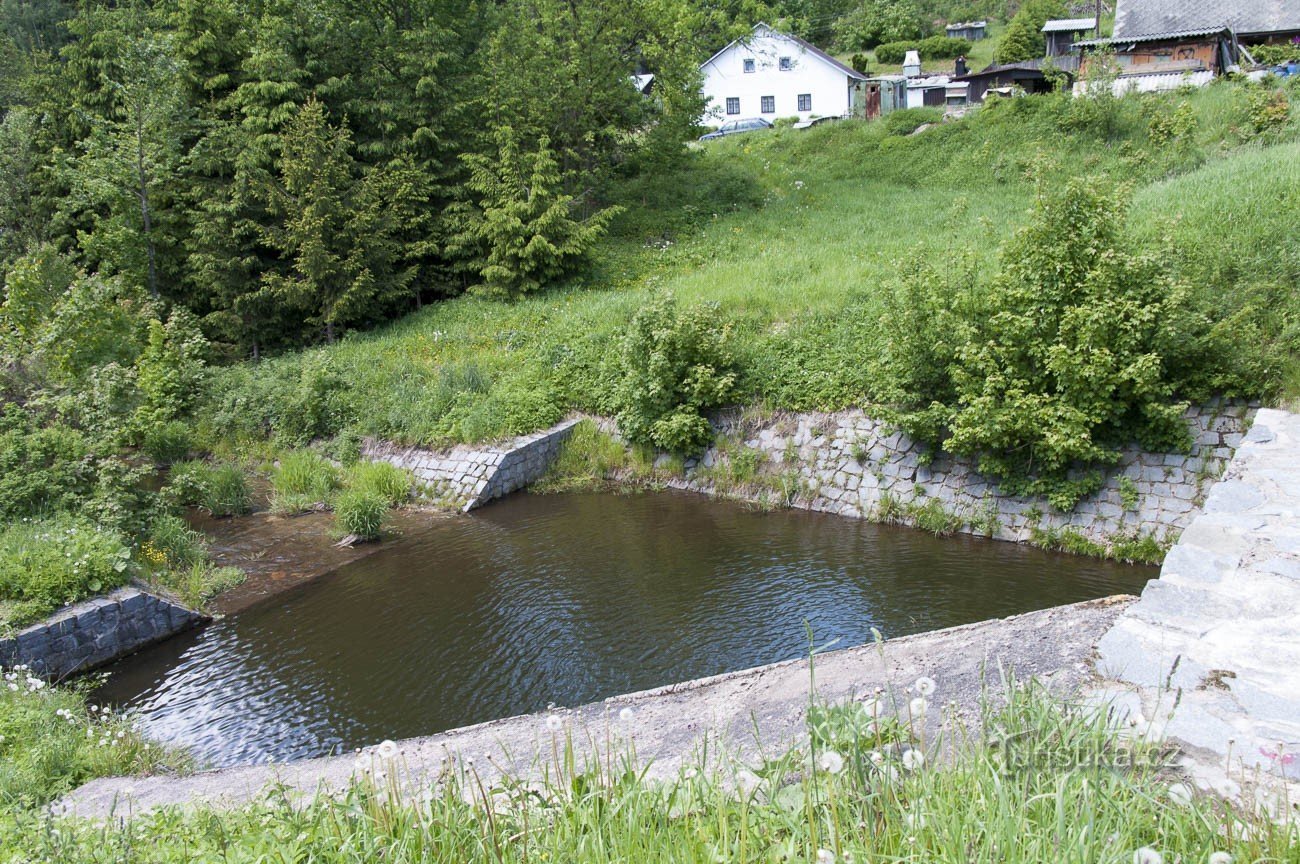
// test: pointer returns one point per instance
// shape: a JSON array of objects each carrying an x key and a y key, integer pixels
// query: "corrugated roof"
[
  {"x": 1153, "y": 37},
  {"x": 1145, "y": 17},
  {"x": 1070, "y": 25},
  {"x": 807, "y": 46}
]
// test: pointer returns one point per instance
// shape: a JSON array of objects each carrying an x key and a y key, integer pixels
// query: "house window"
[
  {"x": 769, "y": 104},
  {"x": 805, "y": 101},
  {"x": 733, "y": 105},
  {"x": 749, "y": 64},
  {"x": 786, "y": 64}
]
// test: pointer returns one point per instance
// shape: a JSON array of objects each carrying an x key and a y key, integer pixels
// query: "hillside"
[{"x": 798, "y": 237}]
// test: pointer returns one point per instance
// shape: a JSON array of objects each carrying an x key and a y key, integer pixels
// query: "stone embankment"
[
  {"x": 1212, "y": 650},
  {"x": 472, "y": 476},
  {"x": 853, "y": 465},
  {"x": 95, "y": 632},
  {"x": 748, "y": 714}
]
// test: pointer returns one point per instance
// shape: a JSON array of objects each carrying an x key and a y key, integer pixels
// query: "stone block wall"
[
  {"x": 472, "y": 476},
  {"x": 854, "y": 465},
  {"x": 95, "y": 632}
]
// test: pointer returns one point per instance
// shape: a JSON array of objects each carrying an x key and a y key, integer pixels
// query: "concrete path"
[
  {"x": 744, "y": 713},
  {"x": 1211, "y": 653}
]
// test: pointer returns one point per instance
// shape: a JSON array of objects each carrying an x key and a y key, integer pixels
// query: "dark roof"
[
  {"x": 1023, "y": 66},
  {"x": 807, "y": 46},
  {"x": 1155, "y": 37},
  {"x": 1145, "y": 17}
]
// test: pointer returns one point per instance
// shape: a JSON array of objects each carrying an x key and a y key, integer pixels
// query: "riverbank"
[{"x": 740, "y": 714}]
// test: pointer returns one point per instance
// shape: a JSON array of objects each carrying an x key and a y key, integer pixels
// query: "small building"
[
  {"x": 1251, "y": 21},
  {"x": 956, "y": 94},
  {"x": 770, "y": 74},
  {"x": 1163, "y": 61},
  {"x": 1027, "y": 75},
  {"x": 971, "y": 30},
  {"x": 929, "y": 91},
  {"x": 883, "y": 94},
  {"x": 1062, "y": 33}
]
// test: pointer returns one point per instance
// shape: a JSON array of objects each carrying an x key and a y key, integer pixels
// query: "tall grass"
[
  {"x": 301, "y": 479},
  {"x": 1048, "y": 783}
]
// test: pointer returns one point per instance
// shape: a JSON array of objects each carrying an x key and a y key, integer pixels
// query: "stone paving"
[
  {"x": 472, "y": 476},
  {"x": 851, "y": 464},
  {"x": 1211, "y": 653}
]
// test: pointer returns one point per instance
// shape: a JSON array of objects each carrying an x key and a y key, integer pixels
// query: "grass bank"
[
  {"x": 798, "y": 237},
  {"x": 1042, "y": 781}
]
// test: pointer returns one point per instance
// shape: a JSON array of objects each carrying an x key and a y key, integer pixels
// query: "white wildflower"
[
  {"x": 554, "y": 723},
  {"x": 626, "y": 715},
  {"x": 876, "y": 757},
  {"x": 825, "y": 856},
  {"x": 387, "y": 749},
  {"x": 918, "y": 706},
  {"x": 830, "y": 762},
  {"x": 1147, "y": 855},
  {"x": 1220, "y": 858},
  {"x": 925, "y": 686},
  {"x": 913, "y": 760},
  {"x": 1180, "y": 794}
]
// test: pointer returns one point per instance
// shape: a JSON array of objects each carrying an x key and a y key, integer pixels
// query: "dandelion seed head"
[
  {"x": 913, "y": 760},
  {"x": 1147, "y": 855},
  {"x": 918, "y": 706},
  {"x": 830, "y": 762},
  {"x": 1220, "y": 858},
  {"x": 825, "y": 856},
  {"x": 1180, "y": 794},
  {"x": 626, "y": 715},
  {"x": 925, "y": 685}
]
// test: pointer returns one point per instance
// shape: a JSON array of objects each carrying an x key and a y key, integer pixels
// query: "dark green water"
[{"x": 566, "y": 599}]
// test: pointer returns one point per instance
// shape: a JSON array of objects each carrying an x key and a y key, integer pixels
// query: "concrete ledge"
[
  {"x": 740, "y": 713},
  {"x": 96, "y": 631}
]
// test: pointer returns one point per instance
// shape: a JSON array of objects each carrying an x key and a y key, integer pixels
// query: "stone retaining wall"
[
  {"x": 472, "y": 476},
  {"x": 96, "y": 632},
  {"x": 853, "y": 465}
]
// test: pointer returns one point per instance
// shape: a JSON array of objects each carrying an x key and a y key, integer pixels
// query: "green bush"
[
  {"x": 227, "y": 493},
  {"x": 360, "y": 512},
  {"x": 905, "y": 121},
  {"x": 300, "y": 479},
  {"x": 677, "y": 364},
  {"x": 168, "y": 442},
  {"x": 50, "y": 743},
  {"x": 42, "y": 469},
  {"x": 931, "y": 48},
  {"x": 869, "y": 24},
  {"x": 200, "y": 582},
  {"x": 384, "y": 479},
  {"x": 47, "y": 563},
  {"x": 1077, "y": 348},
  {"x": 1275, "y": 54}
]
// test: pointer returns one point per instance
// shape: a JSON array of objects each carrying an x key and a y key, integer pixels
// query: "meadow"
[{"x": 796, "y": 240}]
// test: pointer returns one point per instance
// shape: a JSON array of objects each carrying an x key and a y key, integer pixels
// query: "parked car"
[
  {"x": 735, "y": 127},
  {"x": 817, "y": 121}
]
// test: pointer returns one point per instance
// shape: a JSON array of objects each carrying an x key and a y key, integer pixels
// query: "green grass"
[
  {"x": 50, "y": 742},
  {"x": 795, "y": 237},
  {"x": 1048, "y": 782},
  {"x": 301, "y": 479}
]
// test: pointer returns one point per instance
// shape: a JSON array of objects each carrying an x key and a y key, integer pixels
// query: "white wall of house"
[{"x": 801, "y": 73}]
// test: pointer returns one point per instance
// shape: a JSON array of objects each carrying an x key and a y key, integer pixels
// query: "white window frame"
[
  {"x": 785, "y": 64},
  {"x": 749, "y": 65}
]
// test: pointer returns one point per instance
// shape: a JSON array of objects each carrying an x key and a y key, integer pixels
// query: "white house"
[{"x": 770, "y": 74}]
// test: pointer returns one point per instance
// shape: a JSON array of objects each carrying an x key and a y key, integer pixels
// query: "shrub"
[
  {"x": 187, "y": 483},
  {"x": 346, "y": 447},
  {"x": 870, "y": 24},
  {"x": 1077, "y": 348},
  {"x": 360, "y": 512},
  {"x": 1023, "y": 39},
  {"x": 932, "y": 48},
  {"x": 42, "y": 470},
  {"x": 677, "y": 364},
  {"x": 201, "y": 581},
  {"x": 1275, "y": 54},
  {"x": 300, "y": 479},
  {"x": 47, "y": 563},
  {"x": 384, "y": 479},
  {"x": 168, "y": 442},
  {"x": 1269, "y": 109}
]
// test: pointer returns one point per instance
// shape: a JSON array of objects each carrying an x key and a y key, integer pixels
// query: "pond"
[{"x": 566, "y": 599}]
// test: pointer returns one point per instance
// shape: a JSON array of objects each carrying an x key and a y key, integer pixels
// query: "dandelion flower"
[
  {"x": 830, "y": 762},
  {"x": 387, "y": 749},
  {"x": 876, "y": 757},
  {"x": 626, "y": 715},
  {"x": 554, "y": 723},
  {"x": 918, "y": 706},
  {"x": 825, "y": 856},
  {"x": 925, "y": 685},
  {"x": 913, "y": 760},
  {"x": 1220, "y": 858},
  {"x": 1147, "y": 855},
  {"x": 1180, "y": 794}
]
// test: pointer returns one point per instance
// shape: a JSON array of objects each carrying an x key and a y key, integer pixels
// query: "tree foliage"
[
  {"x": 1023, "y": 39},
  {"x": 871, "y": 24}
]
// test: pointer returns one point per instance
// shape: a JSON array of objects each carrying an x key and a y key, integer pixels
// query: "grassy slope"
[{"x": 842, "y": 208}]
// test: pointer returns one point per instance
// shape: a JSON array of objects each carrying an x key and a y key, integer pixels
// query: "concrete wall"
[
  {"x": 96, "y": 632},
  {"x": 853, "y": 465},
  {"x": 472, "y": 476}
]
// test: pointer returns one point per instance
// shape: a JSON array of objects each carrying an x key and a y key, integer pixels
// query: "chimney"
[
  {"x": 912, "y": 64},
  {"x": 960, "y": 69}
]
